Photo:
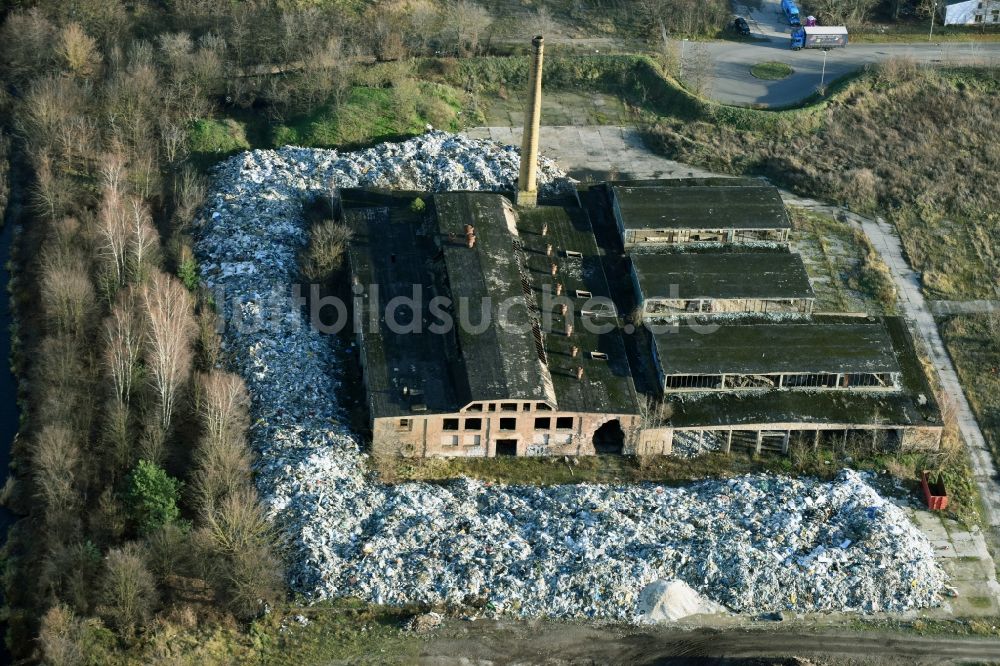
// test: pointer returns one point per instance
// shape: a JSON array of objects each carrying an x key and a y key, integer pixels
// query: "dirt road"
[{"x": 568, "y": 643}]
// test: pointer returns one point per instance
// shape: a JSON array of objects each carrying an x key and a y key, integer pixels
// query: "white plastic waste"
[{"x": 755, "y": 543}]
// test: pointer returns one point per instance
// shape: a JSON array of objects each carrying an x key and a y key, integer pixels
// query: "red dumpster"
[{"x": 934, "y": 493}]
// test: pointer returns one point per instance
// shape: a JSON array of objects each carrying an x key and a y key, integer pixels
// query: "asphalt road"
[
  {"x": 729, "y": 62},
  {"x": 732, "y": 83}
]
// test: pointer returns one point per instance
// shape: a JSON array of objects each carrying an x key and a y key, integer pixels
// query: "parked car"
[{"x": 741, "y": 26}]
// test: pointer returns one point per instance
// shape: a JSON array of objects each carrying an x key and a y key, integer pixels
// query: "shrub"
[
  {"x": 324, "y": 255},
  {"x": 151, "y": 497},
  {"x": 187, "y": 269}
]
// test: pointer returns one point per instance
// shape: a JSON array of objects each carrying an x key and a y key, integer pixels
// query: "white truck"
[{"x": 819, "y": 37}]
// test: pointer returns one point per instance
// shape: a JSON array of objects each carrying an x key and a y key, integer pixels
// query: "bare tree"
[
  {"x": 224, "y": 406},
  {"x": 170, "y": 328},
  {"x": 222, "y": 459},
  {"x": 26, "y": 40},
  {"x": 112, "y": 228},
  {"x": 123, "y": 345},
  {"x": 128, "y": 591},
  {"x": 67, "y": 294},
  {"x": 469, "y": 22},
  {"x": 56, "y": 460},
  {"x": 238, "y": 523},
  {"x": 844, "y": 12},
  {"x": 143, "y": 242},
  {"x": 61, "y": 637},
  {"x": 78, "y": 51},
  {"x": 189, "y": 195}
]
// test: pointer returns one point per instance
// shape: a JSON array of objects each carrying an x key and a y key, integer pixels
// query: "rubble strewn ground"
[{"x": 756, "y": 543}]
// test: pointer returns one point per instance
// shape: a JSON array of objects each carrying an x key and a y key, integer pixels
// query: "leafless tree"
[
  {"x": 78, "y": 51},
  {"x": 469, "y": 21},
  {"x": 238, "y": 523},
  {"x": 123, "y": 346},
  {"x": 222, "y": 458},
  {"x": 254, "y": 580},
  {"x": 128, "y": 591},
  {"x": 224, "y": 406},
  {"x": 170, "y": 328},
  {"x": 143, "y": 241},
  {"x": 68, "y": 298},
  {"x": 844, "y": 12},
  {"x": 56, "y": 461},
  {"x": 61, "y": 637},
  {"x": 112, "y": 229},
  {"x": 26, "y": 40}
]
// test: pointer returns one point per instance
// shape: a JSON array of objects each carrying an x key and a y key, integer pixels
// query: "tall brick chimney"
[{"x": 527, "y": 187}]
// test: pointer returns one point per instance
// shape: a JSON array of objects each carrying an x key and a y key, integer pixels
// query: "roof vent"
[
  {"x": 574, "y": 254},
  {"x": 598, "y": 356}
]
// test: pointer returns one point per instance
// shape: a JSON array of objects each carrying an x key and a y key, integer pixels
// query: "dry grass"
[
  {"x": 909, "y": 143},
  {"x": 973, "y": 342}
]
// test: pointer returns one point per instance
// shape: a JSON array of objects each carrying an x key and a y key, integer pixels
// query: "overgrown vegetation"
[
  {"x": 899, "y": 141},
  {"x": 973, "y": 342},
  {"x": 132, "y": 470},
  {"x": 846, "y": 272}
]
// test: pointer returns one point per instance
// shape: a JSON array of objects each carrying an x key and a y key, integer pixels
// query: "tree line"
[{"x": 132, "y": 470}]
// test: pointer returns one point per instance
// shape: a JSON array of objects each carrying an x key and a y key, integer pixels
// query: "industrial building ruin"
[
  {"x": 619, "y": 318},
  {"x": 688, "y": 211},
  {"x": 553, "y": 364},
  {"x": 508, "y": 378},
  {"x": 668, "y": 284}
]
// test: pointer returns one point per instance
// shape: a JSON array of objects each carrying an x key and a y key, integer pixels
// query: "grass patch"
[
  {"x": 341, "y": 631},
  {"x": 210, "y": 139},
  {"x": 973, "y": 341},
  {"x": 771, "y": 71},
  {"x": 846, "y": 272},
  {"x": 984, "y": 627},
  {"x": 908, "y": 32},
  {"x": 373, "y": 114}
]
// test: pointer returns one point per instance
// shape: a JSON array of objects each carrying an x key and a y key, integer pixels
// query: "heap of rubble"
[{"x": 756, "y": 543}]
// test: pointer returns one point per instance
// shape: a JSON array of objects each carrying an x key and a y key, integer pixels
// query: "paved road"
[
  {"x": 732, "y": 83},
  {"x": 599, "y": 152}
]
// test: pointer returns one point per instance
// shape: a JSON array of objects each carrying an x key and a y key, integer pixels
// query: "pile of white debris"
[{"x": 753, "y": 544}]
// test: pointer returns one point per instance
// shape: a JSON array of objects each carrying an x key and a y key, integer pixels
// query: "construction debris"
[{"x": 754, "y": 544}]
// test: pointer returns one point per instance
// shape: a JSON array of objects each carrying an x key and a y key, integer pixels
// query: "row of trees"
[{"x": 133, "y": 469}]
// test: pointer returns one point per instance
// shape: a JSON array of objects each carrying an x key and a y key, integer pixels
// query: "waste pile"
[
  {"x": 755, "y": 543},
  {"x": 687, "y": 444}
]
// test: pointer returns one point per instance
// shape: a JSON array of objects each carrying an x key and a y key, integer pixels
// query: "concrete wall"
[
  {"x": 425, "y": 436},
  {"x": 431, "y": 435}
]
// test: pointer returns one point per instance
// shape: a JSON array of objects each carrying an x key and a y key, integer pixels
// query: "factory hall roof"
[
  {"x": 501, "y": 361},
  {"x": 824, "y": 345},
  {"x": 696, "y": 206},
  {"x": 721, "y": 275},
  {"x": 522, "y": 352}
]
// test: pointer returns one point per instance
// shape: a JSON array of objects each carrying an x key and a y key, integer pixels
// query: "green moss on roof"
[
  {"x": 722, "y": 275},
  {"x": 701, "y": 207},
  {"x": 843, "y": 345}
]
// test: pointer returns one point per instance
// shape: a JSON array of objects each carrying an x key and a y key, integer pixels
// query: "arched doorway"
[{"x": 609, "y": 438}]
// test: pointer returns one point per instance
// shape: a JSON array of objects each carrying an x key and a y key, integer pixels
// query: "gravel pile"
[{"x": 755, "y": 543}]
